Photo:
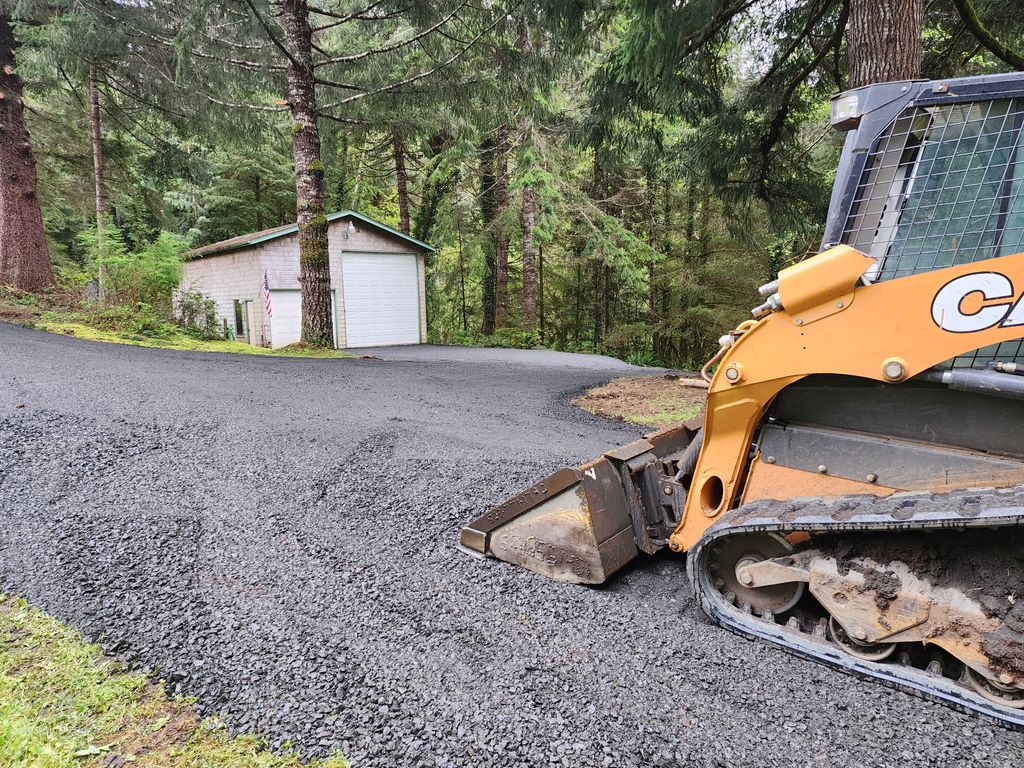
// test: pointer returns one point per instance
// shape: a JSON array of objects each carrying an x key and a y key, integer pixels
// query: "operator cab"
[{"x": 932, "y": 176}]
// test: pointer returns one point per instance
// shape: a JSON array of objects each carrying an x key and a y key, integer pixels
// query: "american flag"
[{"x": 265, "y": 292}]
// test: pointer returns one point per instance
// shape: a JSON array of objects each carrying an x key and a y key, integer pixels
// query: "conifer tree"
[{"x": 24, "y": 254}]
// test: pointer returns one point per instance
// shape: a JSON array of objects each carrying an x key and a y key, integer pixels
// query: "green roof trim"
[{"x": 257, "y": 238}]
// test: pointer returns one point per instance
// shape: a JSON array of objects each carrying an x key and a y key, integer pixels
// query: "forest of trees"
[{"x": 598, "y": 175}]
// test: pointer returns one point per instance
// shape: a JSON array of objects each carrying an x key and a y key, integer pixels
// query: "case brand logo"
[{"x": 977, "y": 302}]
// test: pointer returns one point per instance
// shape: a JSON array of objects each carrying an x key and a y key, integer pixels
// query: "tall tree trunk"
[
  {"x": 437, "y": 184},
  {"x": 578, "y": 314},
  {"x": 24, "y": 255},
  {"x": 341, "y": 190},
  {"x": 101, "y": 186},
  {"x": 258, "y": 198},
  {"x": 462, "y": 281},
  {"x": 500, "y": 231},
  {"x": 314, "y": 264},
  {"x": 598, "y": 193},
  {"x": 401, "y": 178},
  {"x": 529, "y": 259},
  {"x": 607, "y": 300},
  {"x": 487, "y": 214},
  {"x": 883, "y": 40},
  {"x": 540, "y": 292},
  {"x": 652, "y": 241}
]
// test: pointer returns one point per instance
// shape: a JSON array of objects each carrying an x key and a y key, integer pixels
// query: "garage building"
[{"x": 378, "y": 283}]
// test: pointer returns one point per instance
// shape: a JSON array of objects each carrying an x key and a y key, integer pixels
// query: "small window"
[{"x": 239, "y": 318}]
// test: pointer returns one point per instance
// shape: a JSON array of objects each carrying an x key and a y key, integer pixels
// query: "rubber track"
[{"x": 975, "y": 508}]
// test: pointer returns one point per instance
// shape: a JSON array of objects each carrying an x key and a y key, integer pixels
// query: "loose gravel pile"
[{"x": 276, "y": 536}]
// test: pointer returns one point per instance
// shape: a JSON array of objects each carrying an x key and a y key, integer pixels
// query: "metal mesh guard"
[{"x": 943, "y": 186}]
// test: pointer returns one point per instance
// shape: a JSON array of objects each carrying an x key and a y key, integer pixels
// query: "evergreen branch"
[
  {"x": 812, "y": 19},
  {"x": 344, "y": 17},
  {"x": 977, "y": 28},
  {"x": 273, "y": 37},
  {"x": 391, "y": 47},
  {"x": 71, "y": 86},
  {"x": 718, "y": 23},
  {"x": 344, "y": 120},
  {"x": 360, "y": 17},
  {"x": 114, "y": 85},
  {"x": 220, "y": 102},
  {"x": 334, "y": 84},
  {"x": 779, "y": 120},
  {"x": 234, "y": 105},
  {"x": 426, "y": 73},
  {"x": 254, "y": 66}
]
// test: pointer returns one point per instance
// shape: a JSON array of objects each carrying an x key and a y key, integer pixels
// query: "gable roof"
[{"x": 258, "y": 238}]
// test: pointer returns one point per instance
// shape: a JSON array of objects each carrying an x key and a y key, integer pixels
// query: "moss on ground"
[
  {"x": 63, "y": 704},
  {"x": 182, "y": 341},
  {"x": 66, "y": 313}
]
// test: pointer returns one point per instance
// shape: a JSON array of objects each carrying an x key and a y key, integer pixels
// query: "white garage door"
[
  {"x": 286, "y": 320},
  {"x": 382, "y": 299}
]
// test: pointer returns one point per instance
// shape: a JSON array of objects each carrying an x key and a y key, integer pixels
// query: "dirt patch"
[
  {"x": 171, "y": 725},
  {"x": 19, "y": 307},
  {"x": 653, "y": 401}
]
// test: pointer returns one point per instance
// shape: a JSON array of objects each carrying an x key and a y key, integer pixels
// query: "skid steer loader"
[{"x": 855, "y": 492}]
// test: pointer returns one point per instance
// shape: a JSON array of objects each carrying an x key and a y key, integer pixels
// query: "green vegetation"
[
  {"x": 64, "y": 705},
  {"x": 613, "y": 177},
  {"x": 176, "y": 339},
  {"x": 140, "y": 325}
]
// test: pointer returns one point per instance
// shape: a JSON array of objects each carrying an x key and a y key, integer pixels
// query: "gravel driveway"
[{"x": 275, "y": 536}]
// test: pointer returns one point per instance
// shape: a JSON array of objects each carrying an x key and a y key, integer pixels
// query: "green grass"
[
  {"x": 662, "y": 409},
  {"x": 180, "y": 341},
  {"x": 64, "y": 705}
]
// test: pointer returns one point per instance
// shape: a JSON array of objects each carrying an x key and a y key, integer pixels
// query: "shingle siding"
[
  {"x": 238, "y": 275},
  {"x": 228, "y": 277}
]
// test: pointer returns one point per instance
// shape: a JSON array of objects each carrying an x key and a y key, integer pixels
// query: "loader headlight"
[{"x": 844, "y": 111}]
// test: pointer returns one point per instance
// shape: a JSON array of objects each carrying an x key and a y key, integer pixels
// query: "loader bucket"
[{"x": 583, "y": 524}]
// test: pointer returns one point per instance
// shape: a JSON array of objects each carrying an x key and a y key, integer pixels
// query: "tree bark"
[
  {"x": 437, "y": 185},
  {"x": 487, "y": 214},
  {"x": 883, "y": 40},
  {"x": 101, "y": 186},
  {"x": 258, "y": 194},
  {"x": 401, "y": 179},
  {"x": 500, "y": 231},
  {"x": 529, "y": 259},
  {"x": 578, "y": 314},
  {"x": 540, "y": 291},
  {"x": 652, "y": 241},
  {"x": 24, "y": 254},
  {"x": 314, "y": 263},
  {"x": 462, "y": 282}
]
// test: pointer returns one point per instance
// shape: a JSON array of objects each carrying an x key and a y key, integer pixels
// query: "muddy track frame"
[{"x": 977, "y": 508}]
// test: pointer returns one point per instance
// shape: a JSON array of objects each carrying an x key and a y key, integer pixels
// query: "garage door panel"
[
  {"x": 286, "y": 320},
  {"x": 381, "y": 299}
]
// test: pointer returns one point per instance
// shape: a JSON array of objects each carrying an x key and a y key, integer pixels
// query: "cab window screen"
[{"x": 962, "y": 202}]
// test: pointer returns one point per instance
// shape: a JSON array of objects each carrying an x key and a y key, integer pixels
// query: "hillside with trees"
[{"x": 614, "y": 177}]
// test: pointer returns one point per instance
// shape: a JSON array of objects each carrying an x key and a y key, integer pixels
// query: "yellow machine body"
[{"x": 835, "y": 327}]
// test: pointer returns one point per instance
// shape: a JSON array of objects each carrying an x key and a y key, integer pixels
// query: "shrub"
[
  {"x": 197, "y": 314},
  {"x": 148, "y": 276},
  {"x": 139, "y": 319},
  {"x": 644, "y": 357}
]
